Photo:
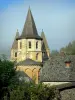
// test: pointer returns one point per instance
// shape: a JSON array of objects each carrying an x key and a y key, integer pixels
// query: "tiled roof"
[
  {"x": 55, "y": 69},
  {"x": 29, "y": 62},
  {"x": 29, "y": 30}
]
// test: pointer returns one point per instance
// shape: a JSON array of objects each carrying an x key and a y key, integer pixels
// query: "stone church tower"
[
  {"x": 29, "y": 43},
  {"x": 27, "y": 49},
  {"x": 14, "y": 49}
]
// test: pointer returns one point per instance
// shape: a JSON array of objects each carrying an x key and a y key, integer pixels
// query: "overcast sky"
[{"x": 55, "y": 17}]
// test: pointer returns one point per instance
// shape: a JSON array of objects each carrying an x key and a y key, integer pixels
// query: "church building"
[
  {"x": 34, "y": 62},
  {"x": 30, "y": 49}
]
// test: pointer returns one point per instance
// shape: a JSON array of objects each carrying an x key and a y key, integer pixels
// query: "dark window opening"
[
  {"x": 29, "y": 44},
  {"x": 36, "y": 44},
  {"x": 15, "y": 54}
]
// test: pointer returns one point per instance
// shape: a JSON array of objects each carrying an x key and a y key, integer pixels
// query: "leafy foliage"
[
  {"x": 69, "y": 49},
  {"x": 42, "y": 92},
  {"x": 54, "y": 53},
  {"x": 7, "y": 72},
  {"x": 31, "y": 91}
]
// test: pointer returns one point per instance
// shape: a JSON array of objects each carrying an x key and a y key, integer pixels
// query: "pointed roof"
[
  {"x": 44, "y": 42},
  {"x": 29, "y": 30},
  {"x": 15, "y": 43}
]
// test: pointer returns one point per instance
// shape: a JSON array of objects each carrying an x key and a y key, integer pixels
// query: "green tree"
[
  {"x": 54, "y": 53},
  {"x": 7, "y": 72},
  {"x": 69, "y": 49},
  {"x": 31, "y": 91},
  {"x": 21, "y": 92},
  {"x": 42, "y": 92}
]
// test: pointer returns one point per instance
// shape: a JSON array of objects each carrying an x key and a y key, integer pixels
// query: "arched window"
[
  {"x": 36, "y": 44},
  {"x": 37, "y": 56},
  {"x": 20, "y": 45},
  {"x": 15, "y": 54},
  {"x": 29, "y": 44}
]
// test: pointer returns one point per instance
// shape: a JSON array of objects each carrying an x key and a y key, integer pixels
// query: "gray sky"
[{"x": 57, "y": 19}]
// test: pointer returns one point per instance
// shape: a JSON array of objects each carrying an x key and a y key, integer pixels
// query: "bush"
[
  {"x": 31, "y": 91},
  {"x": 42, "y": 92},
  {"x": 7, "y": 72}
]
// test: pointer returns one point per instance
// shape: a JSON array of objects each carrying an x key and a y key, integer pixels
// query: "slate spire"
[
  {"x": 44, "y": 42},
  {"x": 29, "y": 30},
  {"x": 15, "y": 43}
]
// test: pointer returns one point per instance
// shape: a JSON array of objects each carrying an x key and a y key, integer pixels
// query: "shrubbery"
[{"x": 31, "y": 91}]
